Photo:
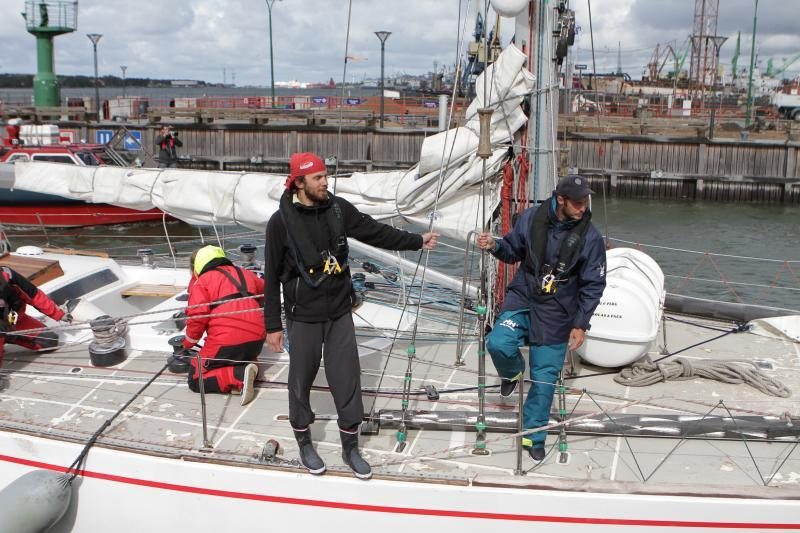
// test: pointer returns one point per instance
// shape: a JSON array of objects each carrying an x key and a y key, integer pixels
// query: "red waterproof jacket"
[
  {"x": 17, "y": 293},
  {"x": 230, "y": 329}
]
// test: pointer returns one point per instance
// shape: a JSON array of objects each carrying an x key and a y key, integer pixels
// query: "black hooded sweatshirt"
[{"x": 332, "y": 298}]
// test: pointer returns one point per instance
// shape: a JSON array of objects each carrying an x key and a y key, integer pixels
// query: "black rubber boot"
[
  {"x": 537, "y": 454},
  {"x": 308, "y": 455},
  {"x": 508, "y": 386},
  {"x": 352, "y": 458}
]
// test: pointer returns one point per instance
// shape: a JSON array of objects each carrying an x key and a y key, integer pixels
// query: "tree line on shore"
[{"x": 25, "y": 81}]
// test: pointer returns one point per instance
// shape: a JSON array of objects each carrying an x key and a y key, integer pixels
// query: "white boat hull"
[{"x": 126, "y": 492}]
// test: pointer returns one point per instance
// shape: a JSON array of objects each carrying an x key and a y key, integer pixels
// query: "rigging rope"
[
  {"x": 444, "y": 164},
  {"x": 75, "y": 467}
]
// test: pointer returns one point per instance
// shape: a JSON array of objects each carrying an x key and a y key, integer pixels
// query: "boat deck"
[{"x": 61, "y": 395}]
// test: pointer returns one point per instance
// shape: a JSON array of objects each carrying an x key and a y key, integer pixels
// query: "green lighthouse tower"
[{"x": 45, "y": 20}]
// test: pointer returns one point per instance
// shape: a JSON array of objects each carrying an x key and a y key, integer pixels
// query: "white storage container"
[
  {"x": 625, "y": 323},
  {"x": 39, "y": 134},
  {"x": 186, "y": 103}
]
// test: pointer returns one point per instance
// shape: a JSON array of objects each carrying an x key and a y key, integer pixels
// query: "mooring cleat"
[{"x": 431, "y": 393}]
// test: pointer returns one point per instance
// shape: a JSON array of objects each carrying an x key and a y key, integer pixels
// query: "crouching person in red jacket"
[
  {"x": 233, "y": 339},
  {"x": 16, "y": 293}
]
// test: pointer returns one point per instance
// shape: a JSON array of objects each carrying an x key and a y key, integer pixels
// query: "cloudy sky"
[{"x": 209, "y": 39}]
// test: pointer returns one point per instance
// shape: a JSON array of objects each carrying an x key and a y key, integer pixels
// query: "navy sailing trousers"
[{"x": 510, "y": 332}]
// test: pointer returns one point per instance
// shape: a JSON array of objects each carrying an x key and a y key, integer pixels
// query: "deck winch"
[
  {"x": 108, "y": 346},
  {"x": 178, "y": 362}
]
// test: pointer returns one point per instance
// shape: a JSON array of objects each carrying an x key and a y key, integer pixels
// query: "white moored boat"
[
  {"x": 153, "y": 463},
  {"x": 689, "y": 455}
]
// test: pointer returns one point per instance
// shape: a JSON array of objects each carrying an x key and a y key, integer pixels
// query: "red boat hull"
[{"x": 75, "y": 215}]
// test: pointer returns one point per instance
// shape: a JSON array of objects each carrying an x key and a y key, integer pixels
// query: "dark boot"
[
  {"x": 352, "y": 458},
  {"x": 308, "y": 455},
  {"x": 508, "y": 386},
  {"x": 537, "y": 454}
]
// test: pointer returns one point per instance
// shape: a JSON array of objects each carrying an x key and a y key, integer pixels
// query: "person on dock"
[
  {"x": 233, "y": 339},
  {"x": 306, "y": 251},
  {"x": 16, "y": 293},
  {"x": 550, "y": 300},
  {"x": 168, "y": 143}
]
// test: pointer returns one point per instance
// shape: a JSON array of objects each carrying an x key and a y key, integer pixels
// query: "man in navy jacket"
[{"x": 551, "y": 299}]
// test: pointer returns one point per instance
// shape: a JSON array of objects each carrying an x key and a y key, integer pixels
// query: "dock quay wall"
[
  {"x": 687, "y": 168},
  {"x": 626, "y": 166}
]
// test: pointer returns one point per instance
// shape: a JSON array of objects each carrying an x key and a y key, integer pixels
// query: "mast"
[{"x": 534, "y": 36}]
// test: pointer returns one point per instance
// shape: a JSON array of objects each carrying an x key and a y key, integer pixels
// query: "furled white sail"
[{"x": 443, "y": 189}]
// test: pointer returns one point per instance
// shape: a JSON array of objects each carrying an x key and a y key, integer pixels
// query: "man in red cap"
[{"x": 306, "y": 250}]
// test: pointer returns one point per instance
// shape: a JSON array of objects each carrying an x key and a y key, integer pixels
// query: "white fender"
[{"x": 34, "y": 502}]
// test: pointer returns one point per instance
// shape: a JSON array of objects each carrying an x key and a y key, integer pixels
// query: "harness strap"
[
  {"x": 7, "y": 292},
  {"x": 9, "y": 301},
  {"x": 315, "y": 266},
  {"x": 240, "y": 284},
  {"x": 539, "y": 229}
]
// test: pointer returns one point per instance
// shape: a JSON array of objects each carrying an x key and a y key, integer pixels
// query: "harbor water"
[{"x": 729, "y": 252}]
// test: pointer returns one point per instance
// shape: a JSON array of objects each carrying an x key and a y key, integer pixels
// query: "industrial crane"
[
  {"x": 476, "y": 55},
  {"x": 659, "y": 59},
  {"x": 735, "y": 59},
  {"x": 680, "y": 58},
  {"x": 777, "y": 72}
]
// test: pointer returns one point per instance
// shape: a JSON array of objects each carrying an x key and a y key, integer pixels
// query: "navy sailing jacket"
[{"x": 574, "y": 302}]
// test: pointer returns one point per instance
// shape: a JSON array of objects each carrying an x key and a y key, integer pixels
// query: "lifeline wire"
[
  {"x": 419, "y": 259},
  {"x": 341, "y": 108}
]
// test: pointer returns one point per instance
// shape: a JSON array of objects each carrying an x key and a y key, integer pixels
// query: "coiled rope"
[{"x": 646, "y": 372}]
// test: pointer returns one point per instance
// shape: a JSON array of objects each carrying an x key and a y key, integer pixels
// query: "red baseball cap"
[{"x": 303, "y": 164}]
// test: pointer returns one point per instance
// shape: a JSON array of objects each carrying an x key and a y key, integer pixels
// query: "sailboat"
[{"x": 122, "y": 444}]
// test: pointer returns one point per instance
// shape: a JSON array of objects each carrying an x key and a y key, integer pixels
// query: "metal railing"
[{"x": 51, "y": 15}]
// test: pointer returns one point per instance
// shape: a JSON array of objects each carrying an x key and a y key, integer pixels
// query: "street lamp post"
[
  {"x": 752, "y": 64},
  {"x": 123, "y": 68},
  {"x": 382, "y": 35},
  {"x": 95, "y": 38},
  {"x": 718, "y": 42},
  {"x": 271, "y": 64}
]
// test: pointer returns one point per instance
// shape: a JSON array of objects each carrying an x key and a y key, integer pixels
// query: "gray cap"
[{"x": 573, "y": 187}]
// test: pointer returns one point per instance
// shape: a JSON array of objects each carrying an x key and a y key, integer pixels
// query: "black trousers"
[{"x": 342, "y": 369}]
